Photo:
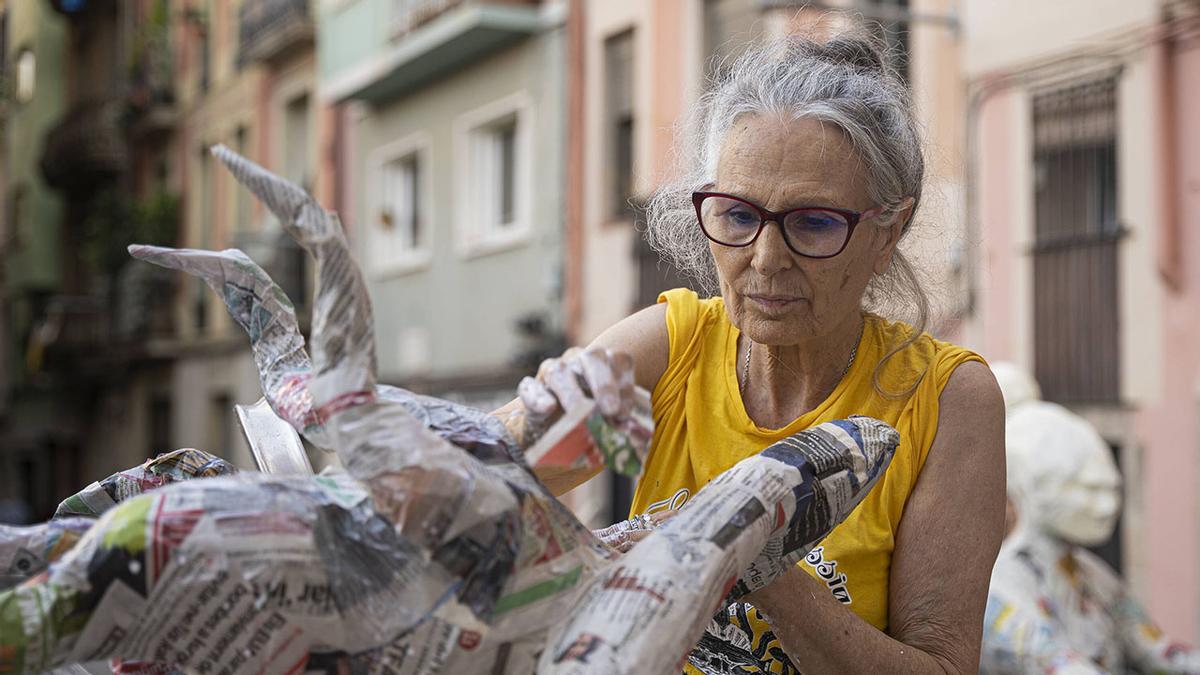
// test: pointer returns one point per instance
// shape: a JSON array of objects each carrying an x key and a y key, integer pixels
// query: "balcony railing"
[
  {"x": 270, "y": 29},
  {"x": 99, "y": 335},
  {"x": 87, "y": 147},
  {"x": 408, "y": 15},
  {"x": 151, "y": 95}
]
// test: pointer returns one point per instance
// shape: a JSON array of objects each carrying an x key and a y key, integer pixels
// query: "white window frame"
[
  {"x": 410, "y": 259},
  {"x": 24, "y": 69},
  {"x": 476, "y": 236}
]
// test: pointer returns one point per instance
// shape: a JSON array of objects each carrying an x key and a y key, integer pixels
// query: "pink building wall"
[
  {"x": 996, "y": 304},
  {"x": 1166, "y": 420},
  {"x": 1169, "y": 426}
]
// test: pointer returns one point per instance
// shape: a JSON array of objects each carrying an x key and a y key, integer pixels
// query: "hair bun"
[{"x": 861, "y": 52}]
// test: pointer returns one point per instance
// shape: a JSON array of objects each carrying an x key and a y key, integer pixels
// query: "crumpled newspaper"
[
  {"x": 168, "y": 467},
  {"x": 26, "y": 551},
  {"x": 437, "y": 551}
]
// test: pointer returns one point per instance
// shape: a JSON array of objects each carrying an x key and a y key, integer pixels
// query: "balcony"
[
  {"x": 97, "y": 336},
  {"x": 376, "y": 50},
  {"x": 87, "y": 149},
  {"x": 151, "y": 111},
  {"x": 271, "y": 30}
]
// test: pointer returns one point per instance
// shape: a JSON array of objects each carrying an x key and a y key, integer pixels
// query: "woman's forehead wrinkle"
[{"x": 785, "y": 163}]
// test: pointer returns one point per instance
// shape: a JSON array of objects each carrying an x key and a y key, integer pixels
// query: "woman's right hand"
[
  {"x": 607, "y": 375},
  {"x": 571, "y": 381}
]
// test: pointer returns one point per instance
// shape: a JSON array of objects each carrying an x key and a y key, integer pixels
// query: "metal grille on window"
[{"x": 1075, "y": 255}]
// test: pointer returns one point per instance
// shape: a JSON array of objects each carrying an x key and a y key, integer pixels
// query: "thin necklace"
[{"x": 750, "y": 348}]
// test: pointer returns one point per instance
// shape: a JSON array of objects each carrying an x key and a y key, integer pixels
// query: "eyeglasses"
[{"x": 810, "y": 231}]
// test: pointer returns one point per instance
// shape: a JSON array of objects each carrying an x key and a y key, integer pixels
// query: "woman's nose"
[{"x": 771, "y": 253}]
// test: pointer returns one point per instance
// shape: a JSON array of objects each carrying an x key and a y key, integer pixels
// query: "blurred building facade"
[
  {"x": 34, "y": 39},
  {"x": 244, "y": 77},
  {"x": 109, "y": 361},
  {"x": 455, "y": 191},
  {"x": 1083, "y": 166}
]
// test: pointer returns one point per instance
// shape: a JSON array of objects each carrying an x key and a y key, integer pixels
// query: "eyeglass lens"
[{"x": 814, "y": 232}]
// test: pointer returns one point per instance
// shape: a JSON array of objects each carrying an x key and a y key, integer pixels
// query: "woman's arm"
[
  {"x": 643, "y": 338},
  {"x": 945, "y": 548}
]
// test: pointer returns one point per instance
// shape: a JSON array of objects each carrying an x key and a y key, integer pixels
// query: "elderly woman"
[{"x": 807, "y": 170}]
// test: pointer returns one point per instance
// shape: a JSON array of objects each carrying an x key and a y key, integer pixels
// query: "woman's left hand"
[{"x": 623, "y": 535}]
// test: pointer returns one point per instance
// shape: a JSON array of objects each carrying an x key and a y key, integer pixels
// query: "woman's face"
[{"x": 773, "y": 295}]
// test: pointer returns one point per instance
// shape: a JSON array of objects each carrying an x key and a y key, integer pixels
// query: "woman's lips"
[{"x": 774, "y": 302}]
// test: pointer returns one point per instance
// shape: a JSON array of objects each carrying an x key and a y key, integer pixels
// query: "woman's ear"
[{"x": 890, "y": 233}]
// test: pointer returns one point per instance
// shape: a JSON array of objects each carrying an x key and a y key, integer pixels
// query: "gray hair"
[{"x": 845, "y": 81}]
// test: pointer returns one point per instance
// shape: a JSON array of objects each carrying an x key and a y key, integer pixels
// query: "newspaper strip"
[
  {"x": 263, "y": 310},
  {"x": 168, "y": 467},
  {"x": 645, "y": 612},
  {"x": 28, "y": 551},
  {"x": 583, "y": 440}
]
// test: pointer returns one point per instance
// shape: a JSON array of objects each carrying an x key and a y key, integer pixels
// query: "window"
[
  {"x": 400, "y": 235},
  {"x": 494, "y": 147},
  {"x": 26, "y": 75},
  {"x": 203, "y": 236},
  {"x": 220, "y": 425},
  {"x": 242, "y": 205},
  {"x": 1076, "y": 351},
  {"x": 291, "y": 265},
  {"x": 618, "y": 65},
  {"x": 893, "y": 27},
  {"x": 18, "y": 232},
  {"x": 401, "y": 211},
  {"x": 159, "y": 425},
  {"x": 730, "y": 27},
  {"x": 296, "y": 141},
  {"x": 205, "y": 18},
  {"x": 3, "y": 40},
  {"x": 494, "y": 164}
]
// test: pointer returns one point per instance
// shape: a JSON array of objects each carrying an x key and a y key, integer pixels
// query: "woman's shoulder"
[
  {"x": 689, "y": 316},
  {"x": 907, "y": 355},
  {"x": 681, "y": 300}
]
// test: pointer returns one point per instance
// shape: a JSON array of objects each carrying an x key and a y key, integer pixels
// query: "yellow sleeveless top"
[{"x": 702, "y": 429}]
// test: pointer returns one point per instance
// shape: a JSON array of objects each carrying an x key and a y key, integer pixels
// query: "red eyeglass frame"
[{"x": 765, "y": 216}]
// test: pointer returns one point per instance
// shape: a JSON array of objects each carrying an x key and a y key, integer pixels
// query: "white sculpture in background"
[{"x": 1054, "y": 606}]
